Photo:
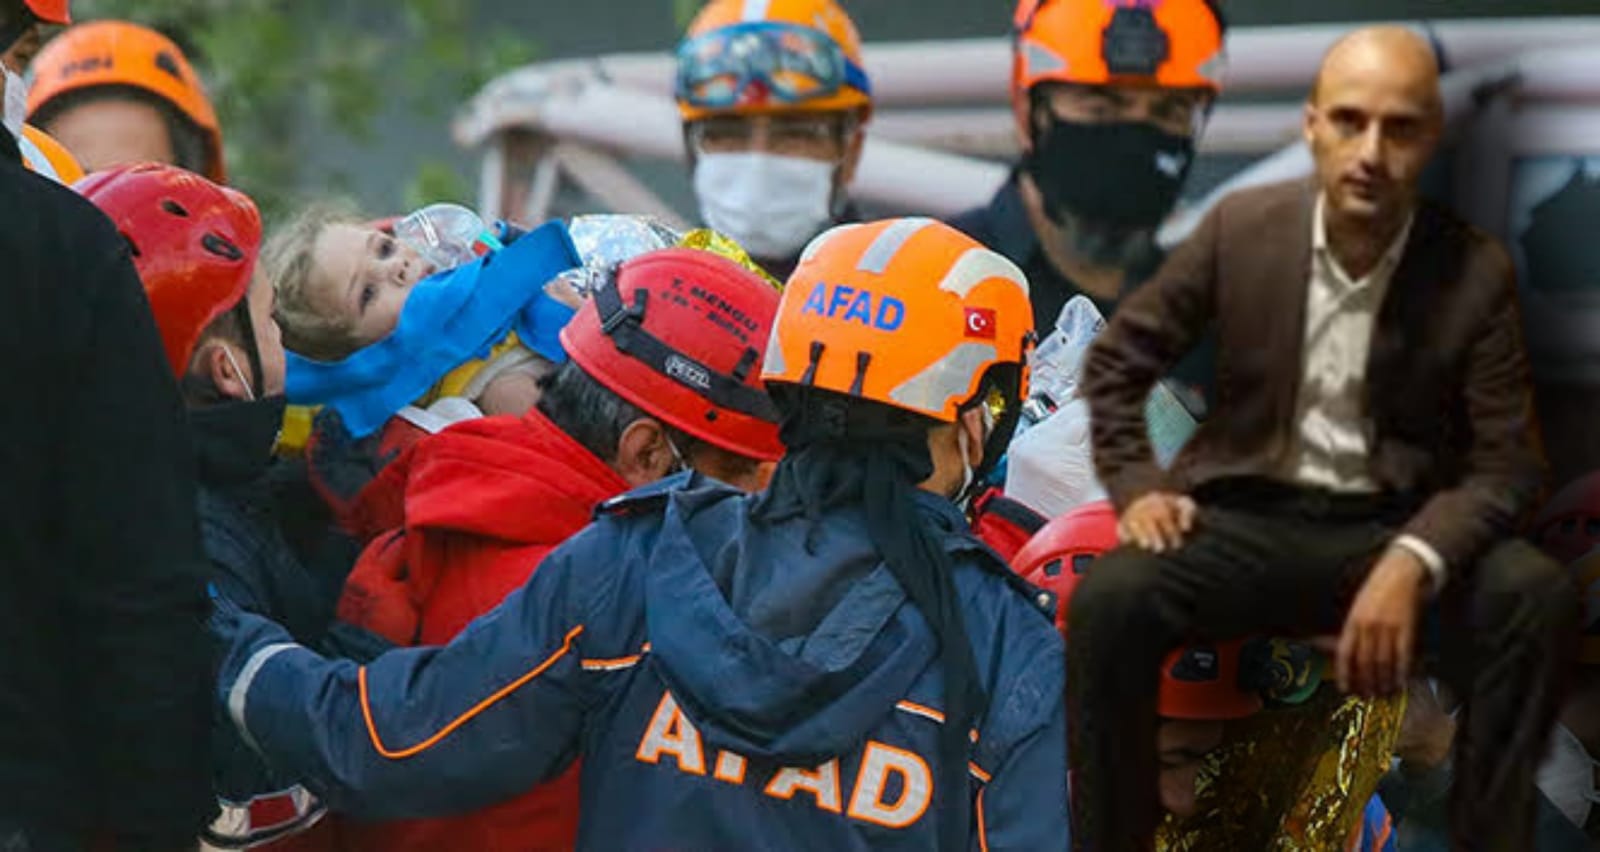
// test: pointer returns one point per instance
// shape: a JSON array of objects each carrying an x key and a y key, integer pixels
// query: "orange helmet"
[
  {"x": 51, "y": 11},
  {"x": 1170, "y": 43},
  {"x": 43, "y": 155},
  {"x": 910, "y": 313},
  {"x": 1199, "y": 680},
  {"x": 752, "y": 57},
  {"x": 117, "y": 53}
]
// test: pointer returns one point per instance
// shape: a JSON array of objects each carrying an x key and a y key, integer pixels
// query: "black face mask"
[{"x": 1125, "y": 175}]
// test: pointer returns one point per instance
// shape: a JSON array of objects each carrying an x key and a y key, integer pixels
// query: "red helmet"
[
  {"x": 51, "y": 11},
  {"x": 1200, "y": 680},
  {"x": 680, "y": 333},
  {"x": 194, "y": 244},
  {"x": 1569, "y": 524}
]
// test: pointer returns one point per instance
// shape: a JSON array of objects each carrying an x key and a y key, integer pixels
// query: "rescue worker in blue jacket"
[
  {"x": 833, "y": 663},
  {"x": 194, "y": 244}
]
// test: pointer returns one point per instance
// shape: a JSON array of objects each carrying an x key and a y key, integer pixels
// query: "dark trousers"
[{"x": 1276, "y": 559}]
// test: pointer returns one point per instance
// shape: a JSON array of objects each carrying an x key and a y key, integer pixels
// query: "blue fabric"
[
  {"x": 811, "y": 663},
  {"x": 449, "y": 319}
]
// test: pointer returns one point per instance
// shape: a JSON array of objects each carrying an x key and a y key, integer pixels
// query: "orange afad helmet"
[
  {"x": 1168, "y": 43},
  {"x": 118, "y": 53},
  {"x": 823, "y": 64},
  {"x": 910, "y": 313},
  {"x": 43, "y": 155}
]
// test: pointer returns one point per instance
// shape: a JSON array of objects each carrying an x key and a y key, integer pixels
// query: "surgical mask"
[
  {"x": 1124, "y": 174},
  {"x": 771, "y": 205},
  {"x": 249, "y": 392},
  {"x": 16, "y": 100},
  {"x": 1567, "y": 777}
]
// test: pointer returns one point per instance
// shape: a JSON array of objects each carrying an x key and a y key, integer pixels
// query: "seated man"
[
  {"x": 1205, "y": 686},
  {"x": 834, "y": 663},
  {"x": 1372, "y": 448}
]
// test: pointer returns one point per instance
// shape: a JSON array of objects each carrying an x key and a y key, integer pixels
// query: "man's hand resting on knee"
[
  {"x": 1374, "y": 652},
  {"x": 1157, "y": 521}
]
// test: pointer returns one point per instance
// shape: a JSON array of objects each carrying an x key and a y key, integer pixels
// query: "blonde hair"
[{"x": 287, "y": 259}]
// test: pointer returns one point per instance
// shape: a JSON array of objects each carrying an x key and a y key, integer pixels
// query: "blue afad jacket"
[{"x": 726, "y": 683}]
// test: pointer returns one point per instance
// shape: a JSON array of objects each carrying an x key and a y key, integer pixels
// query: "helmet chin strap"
[{"x": 249, "y": 392}]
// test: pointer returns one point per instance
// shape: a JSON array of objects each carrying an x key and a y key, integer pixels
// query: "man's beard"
[{"x": 1105, "y": 244}]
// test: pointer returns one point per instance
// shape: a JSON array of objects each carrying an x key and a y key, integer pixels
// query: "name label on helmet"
[{"x": 851, "y": 304}]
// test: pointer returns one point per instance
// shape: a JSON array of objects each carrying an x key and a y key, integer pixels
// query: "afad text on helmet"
[{"x": 873, "y": 310}]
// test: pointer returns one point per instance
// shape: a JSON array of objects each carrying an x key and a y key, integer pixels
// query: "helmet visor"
[{"x": 760, "y": 61}]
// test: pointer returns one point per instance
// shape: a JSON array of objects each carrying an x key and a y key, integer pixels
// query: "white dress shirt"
[{"x": 1333, "y": 434}]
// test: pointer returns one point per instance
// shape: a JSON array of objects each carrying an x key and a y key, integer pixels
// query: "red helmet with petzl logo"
[
  {"x": 680, "y": 334},
  {"x": 193, "y": 242},
  {"x": 1200, "y": 680}
]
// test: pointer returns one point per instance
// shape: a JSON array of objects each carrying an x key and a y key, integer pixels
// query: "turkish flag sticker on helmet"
[{"x": 980, "y": 323}]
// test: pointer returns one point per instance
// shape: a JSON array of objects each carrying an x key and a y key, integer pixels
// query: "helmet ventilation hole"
[{"x": 174, "y": 208}]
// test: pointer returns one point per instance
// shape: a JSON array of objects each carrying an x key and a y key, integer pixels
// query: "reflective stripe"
[
  {"x": 916, "y": 709},
  {"x": 978, "y": 265},
  {"x": 950, "y": 375},
  {"x": 240, "y": 693},
  {"x": 823, "y": 238},
  {"x": 755, "y": 10},
  {"x": 888, "y": 244}
]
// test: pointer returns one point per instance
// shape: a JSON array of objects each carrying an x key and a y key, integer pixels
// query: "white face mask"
[
  {"x": 771, "y": 205},
  {"x": 1567, "y": 776},
  {"x": 967, "y": 472},
  {"x": 16, "y": 100}
]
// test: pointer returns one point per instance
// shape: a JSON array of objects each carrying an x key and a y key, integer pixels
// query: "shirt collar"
[{"x": 1391, "y": 255}]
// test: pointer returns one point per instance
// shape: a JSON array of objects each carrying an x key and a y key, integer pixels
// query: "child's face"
[{"x": 364, "y": 275}]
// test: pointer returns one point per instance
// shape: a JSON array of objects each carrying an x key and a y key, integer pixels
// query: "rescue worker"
[
  {"x": 40, "y": 152},
  {"x": 480, "y": 504},
  {"x": 106, "y": 663},
  {"x": 835, "y": 662},
  {"x": 775, "y": 102},
  {"x": 195, "y": 246},
  {"x": 116, "y": 93},
  {"x": 1109, "y": 101}
]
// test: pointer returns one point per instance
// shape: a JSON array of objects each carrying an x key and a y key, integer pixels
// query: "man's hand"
[
  {"x": 1374, "y": 655},
  {"x": 1157, "y": 521}
]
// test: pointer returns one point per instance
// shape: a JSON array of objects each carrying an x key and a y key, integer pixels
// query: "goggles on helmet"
[{"x": 753, "y": 61}]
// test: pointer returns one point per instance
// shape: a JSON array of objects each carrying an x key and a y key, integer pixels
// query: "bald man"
[{"x": 1370, "y": 456}]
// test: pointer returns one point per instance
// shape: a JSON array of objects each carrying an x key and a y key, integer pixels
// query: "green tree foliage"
[{"x": 270, "y": 65}]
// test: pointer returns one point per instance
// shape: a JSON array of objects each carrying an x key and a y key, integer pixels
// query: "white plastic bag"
[{"x": 1050, "y": 462}]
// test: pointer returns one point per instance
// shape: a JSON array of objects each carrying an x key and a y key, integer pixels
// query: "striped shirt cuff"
[{"x": 1430, "y": 558}]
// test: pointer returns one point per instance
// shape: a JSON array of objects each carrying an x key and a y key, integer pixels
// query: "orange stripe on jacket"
[{"x": 430, "y": 742}]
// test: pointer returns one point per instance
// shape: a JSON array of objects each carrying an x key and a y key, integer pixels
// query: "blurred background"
[
  {"x": 357, "y": 98},
  {"x": 354, "y": 97}
]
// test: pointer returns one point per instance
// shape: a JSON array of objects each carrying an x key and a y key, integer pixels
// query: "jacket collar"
[{"x": 233, "y": 440}]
